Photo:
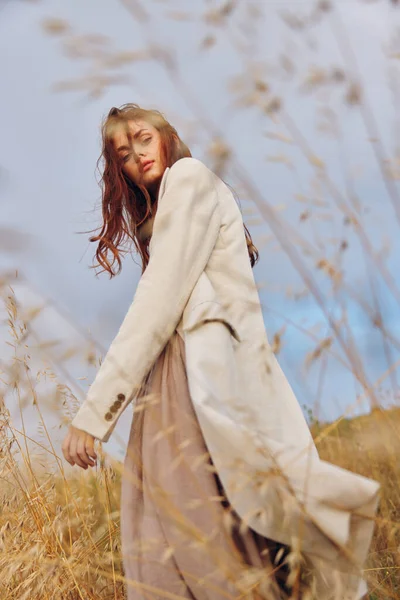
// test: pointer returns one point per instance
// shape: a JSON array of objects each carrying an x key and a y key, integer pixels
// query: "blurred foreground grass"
[
  {"x": 60, "y": 536},
  {"x": 60, "y": 533}
]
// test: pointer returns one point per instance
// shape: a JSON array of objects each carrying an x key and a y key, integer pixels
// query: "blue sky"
[{"x": 50, "y": 144}]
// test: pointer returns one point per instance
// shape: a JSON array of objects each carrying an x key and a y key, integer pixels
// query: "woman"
[{"x": 222, "y": 478}]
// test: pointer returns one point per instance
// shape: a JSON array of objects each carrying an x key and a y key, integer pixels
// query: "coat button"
[
  {"x": 108, "y": 416},
  {"x": 117, "y": 403},
  {"x": 121, "y": 397},
  {"x": 114, "y": 409}
]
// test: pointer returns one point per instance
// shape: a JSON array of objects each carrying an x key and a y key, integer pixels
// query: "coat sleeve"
[{"x": 185, "y": 230}]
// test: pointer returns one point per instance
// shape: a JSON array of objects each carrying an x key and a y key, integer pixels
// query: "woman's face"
[{"x": 140, "y": 156}]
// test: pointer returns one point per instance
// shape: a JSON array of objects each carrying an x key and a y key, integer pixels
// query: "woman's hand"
[{"x": 78, "y": 448}]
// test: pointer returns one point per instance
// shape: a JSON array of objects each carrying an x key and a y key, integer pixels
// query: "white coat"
[{"x": 199, "y": 281}]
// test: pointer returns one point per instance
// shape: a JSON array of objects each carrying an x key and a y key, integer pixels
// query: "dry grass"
[
  {"x": 370, "y": 445},
  {"x": 60, "y": 537}
]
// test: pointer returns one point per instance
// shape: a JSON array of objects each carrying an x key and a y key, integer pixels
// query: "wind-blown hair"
[{"x": 126, "y": 205}]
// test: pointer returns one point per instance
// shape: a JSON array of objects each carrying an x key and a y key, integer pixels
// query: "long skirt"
[{"x": 180, "y": 537}]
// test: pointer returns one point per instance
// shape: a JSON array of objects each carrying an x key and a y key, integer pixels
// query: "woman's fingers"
[
  {"x": 78, "y": 448},
  {"x": 81, "y": 450},
  {"x": 75, "y": 449},
  {"x": 66, "y": 448},
  {"x": 89, "y": 445}
]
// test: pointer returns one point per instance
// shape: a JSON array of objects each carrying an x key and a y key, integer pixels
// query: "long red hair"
[{"x": 126, "y": 205}]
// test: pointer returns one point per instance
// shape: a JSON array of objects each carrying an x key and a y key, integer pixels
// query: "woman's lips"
[{"x": 148, "y": 166}]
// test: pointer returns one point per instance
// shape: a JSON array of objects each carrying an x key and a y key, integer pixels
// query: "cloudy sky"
[{"x": 57, "y": 85}]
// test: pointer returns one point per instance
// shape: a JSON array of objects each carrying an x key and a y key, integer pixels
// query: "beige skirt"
[{"x": 180, "y": 537}]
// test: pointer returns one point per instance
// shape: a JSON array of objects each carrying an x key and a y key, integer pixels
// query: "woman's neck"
[{"x": 145, "y": 229}]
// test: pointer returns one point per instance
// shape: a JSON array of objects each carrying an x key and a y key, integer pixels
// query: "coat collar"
[
  {"x": 162, "y": 184},
  {"x": 145, "y": 230}
]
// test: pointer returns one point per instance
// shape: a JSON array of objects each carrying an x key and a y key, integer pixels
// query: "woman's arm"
[{"x": 185, "y": 231}]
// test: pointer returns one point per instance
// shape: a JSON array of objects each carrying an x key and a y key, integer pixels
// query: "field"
[{"x": 60, "y": 538}]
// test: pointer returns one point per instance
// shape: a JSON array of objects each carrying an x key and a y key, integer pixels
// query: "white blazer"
[{"x": 199, "y": 281}]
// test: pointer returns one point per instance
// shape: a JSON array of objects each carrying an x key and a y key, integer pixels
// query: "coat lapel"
[
  {"x": 163, "y": 181},
  {"x": 145, "y": 230}
]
